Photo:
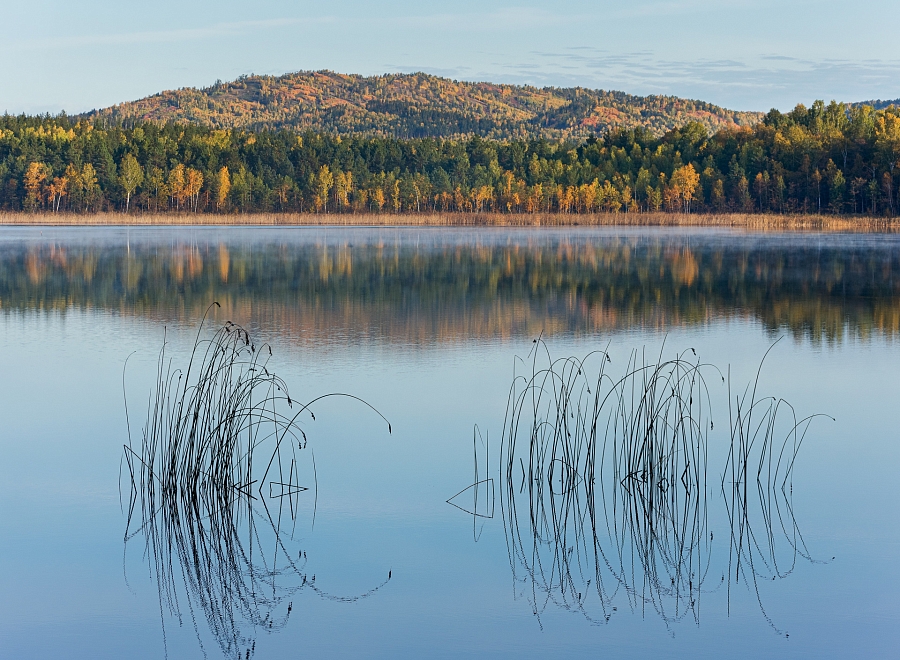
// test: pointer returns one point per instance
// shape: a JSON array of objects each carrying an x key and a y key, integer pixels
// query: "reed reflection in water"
[
  {"x": 216, "y": 487},
  {"x": 604, "y": 487}
]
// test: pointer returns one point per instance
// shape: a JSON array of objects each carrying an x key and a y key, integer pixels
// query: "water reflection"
[
  {"x": 446, "y": 286},
  {"x": 216, "y": 487},
  {"x": 478, "y": 500},
  {"x": 765, "y": 542},
  {"x": 604, "y": 492}
]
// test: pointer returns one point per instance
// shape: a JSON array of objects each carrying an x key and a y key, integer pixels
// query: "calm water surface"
[{"x": 430, "y": 327}]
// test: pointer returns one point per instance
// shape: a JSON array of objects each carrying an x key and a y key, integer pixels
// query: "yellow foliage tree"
[
  {"x": 377, "y": 197},
  {"x": 89, "y": 186},
  {"x": 343, "y": 185},
  {"x": 684, "y": 183},
  {"x": 394, "y": 194},
  {"x": 324, "y": 182},
  {"x": 609, "y": 198},
  {"x": 223, "y": 187},
  {"x": 192, "y": 187},
  {"x": 175, "y": 183},
  {"x": 35, "y": 176},
  {"x": 58, "y": 189}
]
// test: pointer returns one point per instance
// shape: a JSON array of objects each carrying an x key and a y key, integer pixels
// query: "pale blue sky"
[{"x": 743, "y": 54}]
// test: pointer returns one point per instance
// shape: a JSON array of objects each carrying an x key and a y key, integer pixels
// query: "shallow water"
[{"x": 426, "y": 325}]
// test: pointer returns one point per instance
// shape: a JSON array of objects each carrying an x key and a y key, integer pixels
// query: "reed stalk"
[
  {"x": 214, "y": 490},
  {"x": 604, "y": 485}
]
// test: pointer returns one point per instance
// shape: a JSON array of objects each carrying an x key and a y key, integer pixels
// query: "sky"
[{"x": 741, "y": 54}]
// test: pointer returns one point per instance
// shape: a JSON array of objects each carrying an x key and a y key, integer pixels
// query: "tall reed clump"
[
  {"x": 765, "y": 541},
  {"x": 214, "y": 489},
  {"x": 604, "y": 484},
  {"x": 612, "y": 475}
]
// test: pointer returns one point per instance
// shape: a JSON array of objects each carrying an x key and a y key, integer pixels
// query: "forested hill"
[
  {"x": 419, "y": 105},
  {"x": 878, "y": 104}
]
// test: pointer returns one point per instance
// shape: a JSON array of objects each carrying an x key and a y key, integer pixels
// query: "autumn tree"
[
  {"x": 58, "y": 189},
  {"x": 608, "y": 198},
  {"x": 323, "y": 182},
  {"x": 377, "y": 197},
  {"x": 175, "y": 183},
  {"x": 761, "y": 188},
  {"x": 655, "y": 199},
  {"x": 393, "y": 189},
  {"x": 887, "y": 138},
  {"x": 35, "y": 176},
  {"x": 89, "y": 186},
  {"x": 74, "y": 187},
  {"x": 193, "y": 184},
  {"x": 130, "y": 177},
  {"x": 223, "y": 187},
  {"x": 421, "y": 188},
  {"x": 343, "y": 185},
  {"x": 684, "y": 182}
]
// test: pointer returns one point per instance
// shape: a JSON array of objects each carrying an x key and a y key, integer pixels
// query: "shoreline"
[{"x": 748, "y": 221}]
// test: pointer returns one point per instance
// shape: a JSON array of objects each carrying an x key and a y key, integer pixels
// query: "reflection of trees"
[{"x": 444, "y": 292}]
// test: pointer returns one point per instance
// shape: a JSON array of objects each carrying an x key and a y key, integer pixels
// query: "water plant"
[
  {"x": 214, "y": 489},
  {"x": 765, "y": 542},
  {"x": 604, "y": 485},
  {"x": 611, "y": 472}
]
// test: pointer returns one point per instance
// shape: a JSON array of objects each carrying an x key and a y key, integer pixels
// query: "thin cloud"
[
  {"x": 734, "y": 83},
  {"x": 160, "y": 36},
  {"x": 783, "y": 79},
  {"x": 681, "y": 8},
  {"x": 506, "y": 19}
]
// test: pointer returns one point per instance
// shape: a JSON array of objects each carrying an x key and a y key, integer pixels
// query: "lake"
[{"x": 712, "y": 473}]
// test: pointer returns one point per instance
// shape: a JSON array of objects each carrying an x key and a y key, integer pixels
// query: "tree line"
[{"x": 824, "y": 159}]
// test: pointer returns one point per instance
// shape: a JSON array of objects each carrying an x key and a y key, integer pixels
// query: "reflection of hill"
[{"x": 450, "y": 291}]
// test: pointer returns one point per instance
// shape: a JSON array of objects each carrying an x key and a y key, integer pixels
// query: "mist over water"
[{"x": 684, "y": 515}]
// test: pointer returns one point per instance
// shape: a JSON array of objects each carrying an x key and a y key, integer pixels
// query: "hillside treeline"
[
  {"x": 418, "y": 105},
  {"x": 823, "y": 159}
]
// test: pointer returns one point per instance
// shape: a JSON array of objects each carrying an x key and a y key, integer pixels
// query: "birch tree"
[{"x": 130, "y": 176}]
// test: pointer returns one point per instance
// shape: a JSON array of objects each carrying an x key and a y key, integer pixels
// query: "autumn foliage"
[
  {"x": 827, "y": 159},
  {"x": 418, "y": 105}
]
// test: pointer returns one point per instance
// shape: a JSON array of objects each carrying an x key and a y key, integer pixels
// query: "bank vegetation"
[{"x": 827, "y": 160}]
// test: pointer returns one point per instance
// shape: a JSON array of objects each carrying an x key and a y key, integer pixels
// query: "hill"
[
  {"x": 878, "y": 104},
  {"x": 419, "y": 105}
]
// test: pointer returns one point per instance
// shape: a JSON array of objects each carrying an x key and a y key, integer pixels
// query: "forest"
[
  {"x": 825, "y": 159},
  {"x": 418, "y": 105}
]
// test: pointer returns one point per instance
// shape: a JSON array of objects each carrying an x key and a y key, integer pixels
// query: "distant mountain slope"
[
  {"x": 878, "y": 104},
  {"x": 419, "y": 105}
]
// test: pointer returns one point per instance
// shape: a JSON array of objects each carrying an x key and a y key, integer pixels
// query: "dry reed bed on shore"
[{"x": 749, "y": 221}]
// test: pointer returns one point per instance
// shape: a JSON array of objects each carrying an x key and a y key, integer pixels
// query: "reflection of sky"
[
  {"x": 381, "y": 500},
  {"x": 743, "y": 55}
]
